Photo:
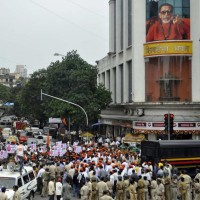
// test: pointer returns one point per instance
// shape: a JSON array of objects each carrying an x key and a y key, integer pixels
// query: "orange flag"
[{"x": 48, "y": 140}]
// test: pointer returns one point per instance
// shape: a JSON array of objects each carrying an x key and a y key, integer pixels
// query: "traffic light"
[
  {"x": 166, "y": 121},
  {"x": 171, "y": 124}
]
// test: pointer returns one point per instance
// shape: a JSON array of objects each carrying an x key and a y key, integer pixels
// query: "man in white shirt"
[
  {"x": 20, "y": 155},
  {"x": 51, "y": 188},
  {"x": 58, "y": 189},
  {"x": 39, "y": 179}
]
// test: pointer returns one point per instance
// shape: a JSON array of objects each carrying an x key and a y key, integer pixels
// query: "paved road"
[{"x": 38, "y": 197}]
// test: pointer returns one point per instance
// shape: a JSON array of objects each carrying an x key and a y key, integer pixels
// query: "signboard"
[
  {"x": 168, "y": 48},
  {"x": 55, "y": 120},
  {"x": 20, "y": 125},
  {"x": 186, "y": 125}
]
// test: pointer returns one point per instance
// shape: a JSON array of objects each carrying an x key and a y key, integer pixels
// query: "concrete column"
[
  {"x": 112, "y": 25},
  {"x": 138, "y": 35},
  {"x": 195, "y": 36},
  {"x": 118, "y": 25},
  {"x": 125, "y": 68}
]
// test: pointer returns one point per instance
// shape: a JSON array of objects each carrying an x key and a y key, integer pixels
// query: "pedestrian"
[
  {"x": 183, "y": 189},
  {"x": 67, "y": 191},
  {"x": 196, "y": 189},
  {"x": 39, "y": 179},
  {"x": 119, "y": 189},
  {"x": 167, "y": 182},
  {"x": 3, "y": 196},
  {"x": 85, "y": 192},
  {"x": 101, "y": 186},
  {"x": 106, "y": 196},
  {"x": 153, "y": 187},
  {"x": 51, "y": 188},
  {"x": 16, "y": 195},
  {"x": 20, "y": 156},
  {"x": 94, "y": 188},
  {"x": 132, "y": 190},
  {"x": 146, "y": 188},
  {"x": 58, "y": 188},
  {"x": 140, "y": 188},
  {"x": 45, "y": 181},
  {"x": 160, "y": 190},
  {"x": 174, "y": 187},
  {"x": 126, "y": 186},
  {"x": 75, "y": 184}
]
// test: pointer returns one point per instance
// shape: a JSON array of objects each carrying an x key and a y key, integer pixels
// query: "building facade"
[{"x": 152, "y": 68}]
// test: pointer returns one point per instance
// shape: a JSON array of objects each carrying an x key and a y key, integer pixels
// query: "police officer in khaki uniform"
[
  {"x": 188, "y": 182},
  {"x": 196, "y": 189},
  {"x": 119, "y": 189},
  {"x": 52, "y": 170},
  {"x": 126, "y": 184},
  {"x": 174, "y": 187},
  {"x": 101, "y": 186},
  {"x": 183, "y": 189},
  {"x": 160, "y": 190},
  {"x": 3, "y": 196},
  {"x": 167, "y": 182},
  {"x": 140, "y": 188},
  {"x": 45, "y": 181},
  {"x": 153, "y": 187},
  {"x": 16, "y": 195},
  {"x": 106, "y": 196},
  {"x": 110, "y": 186},
  {"x": 94, "y": 188},
  {"x": 85, "y": 192}
]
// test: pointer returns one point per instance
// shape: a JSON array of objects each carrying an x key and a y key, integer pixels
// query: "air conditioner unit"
[{"x": 140, "y": 111}]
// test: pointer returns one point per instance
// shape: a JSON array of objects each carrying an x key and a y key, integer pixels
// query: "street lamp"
[
  {"x": 58, "y": 54},
  {"x": 42, "y": 93}
]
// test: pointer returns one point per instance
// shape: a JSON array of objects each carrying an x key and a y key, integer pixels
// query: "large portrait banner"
[{"x": 167, "y": 20}]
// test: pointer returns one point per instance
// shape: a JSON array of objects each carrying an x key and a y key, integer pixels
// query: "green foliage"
[
  {"x": 5, "y": 93},
  {"x": 73, "y": 80}
]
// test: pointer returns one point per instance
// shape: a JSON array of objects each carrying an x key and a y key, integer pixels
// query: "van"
[{"x": 26, "y": 182}]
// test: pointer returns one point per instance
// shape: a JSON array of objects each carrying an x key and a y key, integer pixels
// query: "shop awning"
[
  {"x": 87, "y": 135},
  {"x": 130, "y": 138}
]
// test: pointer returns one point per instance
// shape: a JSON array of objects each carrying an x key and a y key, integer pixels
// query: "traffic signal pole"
[{"x": 168, "y": 128}]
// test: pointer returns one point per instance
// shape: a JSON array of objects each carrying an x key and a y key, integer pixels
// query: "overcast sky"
[{"x": 33, "y": 30}]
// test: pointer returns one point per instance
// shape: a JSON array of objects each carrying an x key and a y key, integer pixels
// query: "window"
[
  {"x": 26, "y": 179},
  {"x": 168, "y": 78},
  {"x": 31, "y": 176},
  {"x": 19, "y": 182}
]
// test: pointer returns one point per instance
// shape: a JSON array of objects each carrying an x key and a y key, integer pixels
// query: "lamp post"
[
  {"x": 58, "y": 54},
  {"x": 66, "y": 102}
]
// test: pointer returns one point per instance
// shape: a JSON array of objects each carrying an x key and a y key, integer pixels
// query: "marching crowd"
[
  {"x": 101, "y": 172},
  {"x": 106, "y": 172}
]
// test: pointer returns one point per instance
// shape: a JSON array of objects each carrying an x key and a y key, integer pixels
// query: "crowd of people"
[{"x": 106, "y": 172}]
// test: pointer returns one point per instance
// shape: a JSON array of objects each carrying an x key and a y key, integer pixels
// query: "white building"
[
  {"x": 152, "y": 68},
  {"x": 21, "y": 71}
]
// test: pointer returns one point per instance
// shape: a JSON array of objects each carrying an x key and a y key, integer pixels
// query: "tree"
[
  {"x": 5, "y": 93},
  {"x": 72, "y": 79},
  {"x": 75, "y": 80},
  {"x": 28, "y": 98}
]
